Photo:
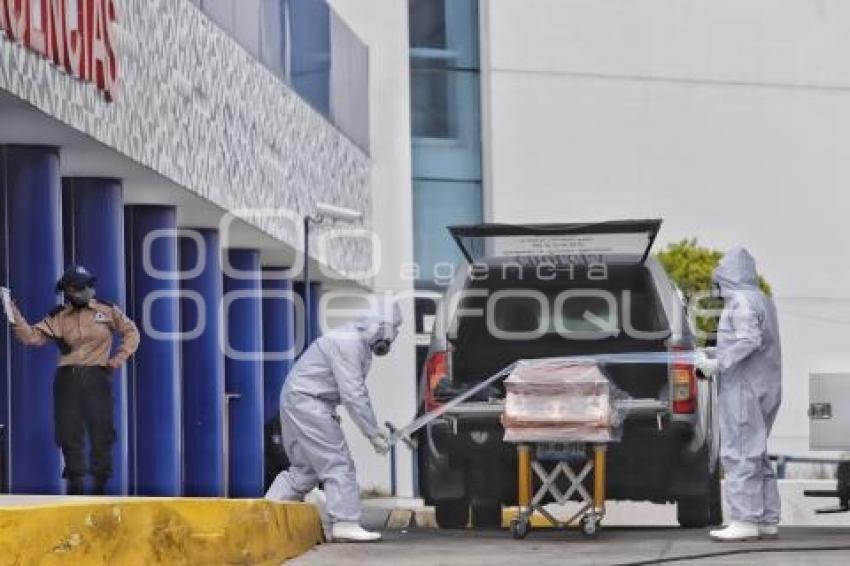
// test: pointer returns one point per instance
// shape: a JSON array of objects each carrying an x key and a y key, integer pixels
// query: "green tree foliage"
[{"x": 691, "y": 267}]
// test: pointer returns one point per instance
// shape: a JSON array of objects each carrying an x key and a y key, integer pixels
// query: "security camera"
[{"x": 338, "y": 212}]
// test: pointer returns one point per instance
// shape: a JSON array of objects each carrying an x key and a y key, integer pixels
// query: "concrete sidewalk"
[
  {"x": 797, "y": 510},
  {"x": 633, "y": 532},
  {"x": 429, "y": 547}
]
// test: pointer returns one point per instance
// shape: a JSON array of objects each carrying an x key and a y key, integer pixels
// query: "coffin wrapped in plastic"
[{"x": 561, "y": 400}]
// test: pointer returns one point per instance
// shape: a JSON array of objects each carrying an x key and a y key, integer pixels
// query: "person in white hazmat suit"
[
  {"x": 332, "y": 372},
  {"x": 749, "y": 366}
]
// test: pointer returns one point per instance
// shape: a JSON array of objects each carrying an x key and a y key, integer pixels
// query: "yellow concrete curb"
[{"x": 83, "y": 531}]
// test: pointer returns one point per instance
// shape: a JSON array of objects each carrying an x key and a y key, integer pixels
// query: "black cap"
[{"x": 75, "y": 275}]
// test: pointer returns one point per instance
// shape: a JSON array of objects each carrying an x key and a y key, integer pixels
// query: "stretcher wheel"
[
  {"x": 590, "y": 526},
  {"x": 519, "y": 528}
]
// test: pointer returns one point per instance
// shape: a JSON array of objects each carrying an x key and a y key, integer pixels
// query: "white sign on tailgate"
[{"x": 607, "y": 245}]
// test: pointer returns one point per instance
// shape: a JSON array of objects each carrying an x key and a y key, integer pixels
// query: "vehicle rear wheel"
[
  {"x": 693, "y": 512},
  {"x": 715, "y": 504},
  {"x": 453, "y": 514},
  {"x": 487, "y": 515}
]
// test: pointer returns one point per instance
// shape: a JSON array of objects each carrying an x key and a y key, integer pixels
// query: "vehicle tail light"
[
  {"x": 684, "y": 383},
  {"x": 436, "y": 370}
]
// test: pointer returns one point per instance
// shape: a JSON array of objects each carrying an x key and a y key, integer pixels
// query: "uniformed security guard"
[{"x": 83, "y": 330}]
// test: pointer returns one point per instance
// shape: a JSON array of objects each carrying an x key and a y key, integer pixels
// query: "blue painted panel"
[
  {"x": 203, "y": 368},
  {"x": 311, "y": 310},
  {"x": 94, "y": 237},
  {"x": 244, "y": 373},
  {"x": 278, "y": 338},
  {"x": 34, "y": 247},
  {"x": 155, "y": 424}
]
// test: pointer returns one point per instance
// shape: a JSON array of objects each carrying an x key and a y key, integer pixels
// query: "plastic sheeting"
[
  {"x": 560, "y": 400},
  {"x": 684, "y": 357}
]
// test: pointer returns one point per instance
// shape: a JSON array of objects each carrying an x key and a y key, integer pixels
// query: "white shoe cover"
[
  {"x": 737, "y": 531},
  {"x": 319, "y": 501},
  {"x": 349, "y": 531}
]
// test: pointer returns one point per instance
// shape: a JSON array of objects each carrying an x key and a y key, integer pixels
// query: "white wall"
[
  {"x": 727, "y": 119},
  {"x": 382, "y": 24}
]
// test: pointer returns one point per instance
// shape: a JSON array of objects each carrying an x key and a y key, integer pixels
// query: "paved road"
[{"x": 420, "y": 547}]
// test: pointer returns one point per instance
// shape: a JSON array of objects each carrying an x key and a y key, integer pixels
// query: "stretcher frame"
[{"x": 592, "y": 510}]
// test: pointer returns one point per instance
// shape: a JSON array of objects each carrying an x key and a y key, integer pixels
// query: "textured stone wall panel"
[{"x": 195, "y": 107}]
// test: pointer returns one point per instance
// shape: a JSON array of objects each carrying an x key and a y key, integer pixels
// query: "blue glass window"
[
  {"x": 446, "y": 128},
  {"x": 446, "y": 124},
  {"x": 436, "y": 205},
  {"x": 349, "y": 82},
  {"x": 273, "y": 36},
  {"x": 310, "y": 70},
  {"x": 308, "y": 46},
  {"x": 444, "y": 33},
  {"x": 247, "y": 27},
  {"x": 221, "y": 12}
]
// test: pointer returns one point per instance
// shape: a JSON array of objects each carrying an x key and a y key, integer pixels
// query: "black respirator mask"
[
  {"x": 79, "y": 296},
  {"x": 380, "y": 344},
  {"x": 381, "y": 347}
]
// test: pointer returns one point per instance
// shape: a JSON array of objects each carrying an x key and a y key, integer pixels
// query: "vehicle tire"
[
  {"x": 452, "y": 514},
  {"x": 487, "y": 515},
  {"x": 693, "y": 512},
  {"x": 715, "y": 501}
]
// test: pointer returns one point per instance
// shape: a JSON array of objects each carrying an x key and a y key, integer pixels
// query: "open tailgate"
[{"x": 623, "y": 242}]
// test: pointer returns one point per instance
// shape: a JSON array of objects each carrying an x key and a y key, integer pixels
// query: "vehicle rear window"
[
  {"x": 576, "y": 312},
  {"x": 584, "y": 313},
  {"x": 503, "y": 319},
  {"x": 517, "y": 314}
]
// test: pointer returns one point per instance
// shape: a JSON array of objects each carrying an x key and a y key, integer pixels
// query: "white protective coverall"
[
  {"x": 330, "y": 373},
  {"x": 750, "y": 382}
]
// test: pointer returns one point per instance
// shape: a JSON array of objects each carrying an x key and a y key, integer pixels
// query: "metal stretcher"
[{"x": 531, "y": 463}]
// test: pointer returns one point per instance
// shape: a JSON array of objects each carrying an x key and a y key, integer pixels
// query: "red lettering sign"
[{"x": 77, "y": 35}]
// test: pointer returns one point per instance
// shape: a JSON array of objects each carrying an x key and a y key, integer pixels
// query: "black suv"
[{"x": 537, "y": 291}]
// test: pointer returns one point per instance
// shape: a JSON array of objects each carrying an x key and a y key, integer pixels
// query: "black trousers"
[{"x": 82, "y": 405}]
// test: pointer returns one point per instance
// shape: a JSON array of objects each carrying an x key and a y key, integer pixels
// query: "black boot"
[
  {"x": 76, "y": 485},
  {"x": 99, "y": 486}
]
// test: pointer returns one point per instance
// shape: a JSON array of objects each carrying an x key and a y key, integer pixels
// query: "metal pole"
[
  {"x": 393, "y": 456},
  {"x": 524, "y": 480},
  {"x": 393, "y": 473},
  {"x": 599, "y": 478}
]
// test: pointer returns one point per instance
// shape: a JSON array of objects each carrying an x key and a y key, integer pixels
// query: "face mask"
[
  {"x": 384, "y": 337},
  {"x": 79, "y": 297},
  {"x": 381, "y": 347}
]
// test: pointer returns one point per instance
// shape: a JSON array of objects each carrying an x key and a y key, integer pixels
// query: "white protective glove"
[
  {"x": 6, "y": 297},
  {"x": 380, "y": 443},
  {"x": 706, "y": 365}
]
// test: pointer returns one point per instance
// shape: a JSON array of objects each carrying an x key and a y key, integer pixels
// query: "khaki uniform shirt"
[{"x": 88, "y": 331}]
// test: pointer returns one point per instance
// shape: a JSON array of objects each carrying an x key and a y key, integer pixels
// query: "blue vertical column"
[
  {"x": 155, "y": 425},
  {"x": 5, "y": 336},
  {"x": 203, "y": 365},
  {"x": 278, "y": 338},
  {"x": 310, "y": 310},
  {"x": 243, "y": 370},
  {"x": 94, "y": 237},
  {"x": 34, "y": 261}
]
